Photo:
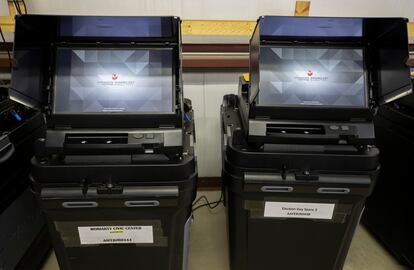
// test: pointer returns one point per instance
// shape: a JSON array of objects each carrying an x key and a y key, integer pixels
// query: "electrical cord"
[
  {"x": 8, "y": 52},
  {"x": 25, "y": 7},
  {"x": 17, "y": 6},
  {"x": 217, "y": 203},
  {"x": 210, "y": 205}
]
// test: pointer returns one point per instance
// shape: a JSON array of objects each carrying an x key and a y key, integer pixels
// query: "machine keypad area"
[
  {"x": 336, "y": 127},
  {"x": 341, "y": 129},
  {"x": 146, "y": 138}
]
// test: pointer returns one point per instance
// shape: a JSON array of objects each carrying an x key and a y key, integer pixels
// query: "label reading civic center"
[
  {"x": 299, "y": 210},
  {"x": 116, "y": 235}
]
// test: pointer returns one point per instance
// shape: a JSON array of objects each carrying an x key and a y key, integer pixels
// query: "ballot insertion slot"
[
  {"x": 96, "y": 138},
  {"x": 275, "y": 129}
]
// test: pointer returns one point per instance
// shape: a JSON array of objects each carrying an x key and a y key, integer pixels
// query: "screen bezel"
[
  {"x": 173, "y": 86},
  {"x": 271, "y": 21},
  {"x": 367, "y": 92},
  {"x": 65, "y": 22}
]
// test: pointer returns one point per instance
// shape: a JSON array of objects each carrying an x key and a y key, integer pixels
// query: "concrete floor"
[{"x": 208, "y": 249}]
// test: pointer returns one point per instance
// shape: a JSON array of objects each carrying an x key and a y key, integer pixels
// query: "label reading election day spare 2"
[
  {"x": 299, "y": 210},
  {"x": 116, "y": 235}
]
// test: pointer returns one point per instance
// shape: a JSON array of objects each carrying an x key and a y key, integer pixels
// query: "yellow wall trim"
[
  {"x": 411, "y": 30},
  {"x": 302, "y": 8},
  {"x": 7, "y": 22},
  {"x": 217, "y": 28}
]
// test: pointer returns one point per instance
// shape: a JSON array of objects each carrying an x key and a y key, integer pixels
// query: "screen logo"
[
  {"x": 114, "y": 79},
  {"x": 311, "y": 76}
]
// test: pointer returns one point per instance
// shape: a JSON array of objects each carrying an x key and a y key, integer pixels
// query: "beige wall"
[
  {"x": 222, "y": 9},
  {"x": 206, "y": 90}
]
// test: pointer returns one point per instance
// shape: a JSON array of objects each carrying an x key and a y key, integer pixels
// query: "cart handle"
[
  {"x": 333, "y": 190},
  {"x": 277, "y": 189},
  {"x": 142, "y": 203},
  {"x": 80, "y": 204},
  {"x": 6, "y": 152}
]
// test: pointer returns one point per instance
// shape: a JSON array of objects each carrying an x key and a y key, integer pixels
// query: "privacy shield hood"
[
  {"x": 45, "y": 46},
  {"x": 383, "y": 40}
]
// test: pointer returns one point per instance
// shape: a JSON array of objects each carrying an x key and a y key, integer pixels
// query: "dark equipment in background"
[
  {"x": 299, "y": 158},
  {"x": 387, "y": 210},
  {"x": 116, "y": 172},
  {"x": 24, "y": 241}
]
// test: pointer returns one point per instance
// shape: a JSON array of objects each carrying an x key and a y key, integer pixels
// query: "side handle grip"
[
  {"x": 6, "y": 152},
  {"x": 142, "y": 203},
  {"x": 80, "y": 204},
  {"x": 333, "y": 190},
  {"x": 277, "y": 189}
]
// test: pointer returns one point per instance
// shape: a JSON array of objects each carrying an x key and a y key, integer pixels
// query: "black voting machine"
[
  {"x": 386, "y": 210},
  {"x": 24, "y": 241},
  {"x": 299, "y": 158},
  {"x": 115, "y": 173}
]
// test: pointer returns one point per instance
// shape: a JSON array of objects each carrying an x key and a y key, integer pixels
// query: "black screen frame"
[
  {"x": 109, "y": 47},
  {"x": 42, "y": 33},
  {"x": 173, "y": 22},
  {"x": 118, "y": 120}
]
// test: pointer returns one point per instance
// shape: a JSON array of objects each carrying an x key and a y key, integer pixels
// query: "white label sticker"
[
  {"x": 299, "y": 210},
  {"x": 116, "y": 235}
]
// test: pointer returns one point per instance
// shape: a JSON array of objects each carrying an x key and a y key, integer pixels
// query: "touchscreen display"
[
  {"x": 296, "y": 76},
  {"x": 113, "y": 81}
]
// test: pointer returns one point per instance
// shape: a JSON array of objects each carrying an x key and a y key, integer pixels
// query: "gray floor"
[{"x": 208, "y": 249}]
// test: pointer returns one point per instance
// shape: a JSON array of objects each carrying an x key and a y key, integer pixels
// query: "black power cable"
[
  {"x": 210, "y": 205},
  {"x": 17, "y": 6},
  {"x": 25, "y": 7}
]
